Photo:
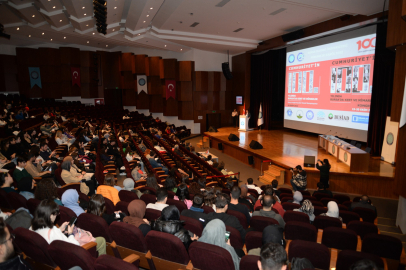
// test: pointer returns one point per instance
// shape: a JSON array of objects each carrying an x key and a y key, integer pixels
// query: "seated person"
[
  {"x": 26, "y": 187},
  {"x": 297, "y": 198},
  {"x": 70, "y": 199},
  {"x": 273, "y": 256},
  {"x": 151, "y": 182},
  {"x": 307, "y": 208},
  {"x": 323, "y": 190},
  {"x": 137, "y": 174},
  {"x": 246, "y": 198},
  {"x": 46, "y": 153},
  {"x": 161, "y": 198},
  {"x": 266, "y": 211},
  {"x": 46, "y": 190},
  {"x": 136, "y": 209},
  {"x": 236, "y": 206},
  {"x": 250, "y": 185},
  {"x": 108, "y": 189},
  {"x": 299, "y": 180},
  {"x": 270, "y": 234},
  {"x": 274, "y": 184},
  {"x": 155, "y": 164},
  {"x": 229, "y": 220},
  {"x": 6, "y": 181},
  {"x": 196, "y": 211},
  {"x": 364, "y": 203},
  {"x": 97, "y": 206},
  {"x": 70, "y": 175},
  {"x": 332, "y": 211},
  {"x": 34, "y": 166},
  {"x": 177, "y": 151},
  {"x": 170, "y": 183},
  {"x": 182, "y": 194},
  {"x": 170, "y": 222},
  {"x": 277, "y": 205},
  {"x": 20, "y": 171}
]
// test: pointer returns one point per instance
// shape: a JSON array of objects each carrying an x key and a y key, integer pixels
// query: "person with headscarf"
[
  {"x": 307, "y": 208},
  {"x": 136, "y": 209},
  {"x": 332, "y": 210},
  {"x": 271, "y": 234},
  {"x": 297, "y": 197},
  {"x": 70, "y": 200},
  {"x": 214, "y": 234},
  {"x": 26, "y": 186},
  {"x": 129, "y": 184},
  {"x": 170, "y": 222}
]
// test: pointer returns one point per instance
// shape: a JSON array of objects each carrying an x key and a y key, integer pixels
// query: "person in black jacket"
[
  {"x": 170, "y": 222},
  {"x": 229, "y": 220},
  {"x": 236, "y": 206},
  {"x": 196, "y": 211},
  {"x": 364, "y": 202},
  {"x": 324, "y": 169},
  {"x": 97, "y": 206}
]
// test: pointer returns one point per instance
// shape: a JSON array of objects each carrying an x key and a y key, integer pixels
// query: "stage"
[{"x": 286, "y": 148}]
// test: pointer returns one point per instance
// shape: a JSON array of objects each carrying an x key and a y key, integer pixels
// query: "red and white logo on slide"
[{"x": 366, "y": 43}]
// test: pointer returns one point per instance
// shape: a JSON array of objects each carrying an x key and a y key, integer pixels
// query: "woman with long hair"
[
  {"x": 97, "y": 206},
  {"x": 182, "y": 194},
  {"x": 170, "y": 184},
  {"x": 324, "y": 168},
  {"x": 151, "y": 182},
  {"x": 108, "y": 189},
  {"x": 46, "y": 190}
]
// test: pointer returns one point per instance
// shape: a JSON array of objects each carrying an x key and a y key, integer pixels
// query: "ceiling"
[{"x": 168, "y": 24}]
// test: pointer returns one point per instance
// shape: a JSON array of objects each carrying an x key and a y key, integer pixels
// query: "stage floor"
[{"x": 288, "y": 148}]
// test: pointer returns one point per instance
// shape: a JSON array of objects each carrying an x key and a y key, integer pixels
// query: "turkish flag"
[
  {"x": 170, "y": 86},
  {"x": 75, "y": 76}
]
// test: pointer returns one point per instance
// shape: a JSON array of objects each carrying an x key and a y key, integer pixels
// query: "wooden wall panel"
[
  {"x": 27, "y": 57},
  {"x": 170, "y": 107},
  {"x": 50, "y": 74},
  {"x": 50, "y": 56},
  {"x": 154, "y": 86},
  {"x": 70, "y": 56},
  {"x": 8, "y": 73},
  {"x": 200, "y": 101},
  {"x": 216, "y": 100},
  {"x": 139, "y": 64},
  {"x": 224, "y": 82},
  {"x": 396, "y": 25},
  {"x": 126, "y": 62},
  {"x": 398, "y": 83},
  {"x": 202, "y": 80},
  {"x": 403, "y": 13},
  {"x": 168, "y": 68},
  {"x": 186, "y": 69},
  {"x": 111, "y": 71},
  {"x": 241, "y": 78},
  {"x": 127, "y": 80},
  {"x": 214, "y": 81},
  {"x": 156, "y": 103},
  {"x": 142, "y": 101},
  {"x": 86, "y": 59},
  {"x": 185, "y": 110},
  {"x": 84, "y": 75},
  {"x": 153, "y": 65},
  {"x": 184, "y": 91},
  {"x": 129, "y": 97}
]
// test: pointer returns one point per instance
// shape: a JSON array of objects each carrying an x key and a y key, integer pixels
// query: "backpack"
[{"x": 20, "y": 218}]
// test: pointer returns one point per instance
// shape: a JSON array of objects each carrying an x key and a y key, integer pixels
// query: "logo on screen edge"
[
  {"x": 300, "y": 57},
  {"x": 341, "y": 117},
  {"x": 330, "y": 116},
  {"x": 321, "y": 116},
  {"x": 291, "y": 58},
  {"x": 299, "y": 114},
  {"x": 289, "y": 112},
  {"x": 360, "y": 119},
  {"x": 309, "y": 114}
]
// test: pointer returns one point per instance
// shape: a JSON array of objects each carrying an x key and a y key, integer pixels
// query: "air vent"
[
  {"x": 194, "y": 24},
  {"x": 238, "y": 30},
  {"x": 295, "y": 28},
  {"x": 278, "y": 11},
  {"x": 222, "y": 3}
]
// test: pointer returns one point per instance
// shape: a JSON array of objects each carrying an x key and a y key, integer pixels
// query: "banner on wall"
[
  {"x": 142, "y": 84},
  {"x": 35, "y": 76},
  {"x": 170, "y": 86},
  {"x": 75, "y": 71}
]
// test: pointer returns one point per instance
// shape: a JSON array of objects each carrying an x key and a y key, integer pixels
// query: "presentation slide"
[{"x": 329, "y": 86}]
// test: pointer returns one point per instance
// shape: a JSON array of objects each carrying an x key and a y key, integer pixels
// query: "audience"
[
  {"x": 364, "y": 265},
  {"x": 156, "y": 164},
  {"x": 221, "y": 209},
  {"x": 170, "y": 222},
  {"x": 137, "y": 174},
  {"x": 196, "y": 211},
  {"x": 161, "y": 198},
  {"x": 9, "y": 259},
  {"x": 270, "y": 234},
  {"x": 274, "y": 184},
  {"x": 70, "y": 175},
  {"x": 26, "y": 187},
  {"x": 170, "y": 184},
  {"x": 250, "y": 185},
  {"x": 297, "y": 197},
  {"x": 108, "y": 190},
  {"x": 6, "y": 181},
  {"x": 267, "y": 203},
  {"x": 151, "y": 182},
  {"x": 236, "y": 206},
  {"x": 182, "y": 194},
  {"x": 307, "y": 208},
  {"x": 363, "y": 203},
  {"x": 46, "y": 190},
  {"x": 70, "y": 199},
  {"x": 273, "y": 257},
  {"x": 214, "y": 234},
  {"x": 321, "y": 189},
  {"x": 20, "y": 171},
  {"x": 136, "y": 209},
  {"x": 332, "y": 211},
  {"x": 194, "y": 188},
  {"x": 246, "y": 198},
  {"x": 97, "y": 206}
]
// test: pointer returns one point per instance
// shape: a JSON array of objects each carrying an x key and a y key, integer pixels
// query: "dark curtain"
[
  {"x": 268, "y": 88},
  {"x": 382, "y": 86}
]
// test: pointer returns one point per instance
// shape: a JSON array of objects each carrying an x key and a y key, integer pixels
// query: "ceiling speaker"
[
  {"x": 226, "y": 70},
  {"x": 293, "y": 36}
]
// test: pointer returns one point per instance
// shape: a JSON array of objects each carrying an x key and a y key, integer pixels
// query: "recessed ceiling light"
[
  {"x": 88, "y": 42},
  {"x": 83, "y": 7},
  {"x": 64, "y": 37},
  {"x": 165, "y": 45},
  {"x": 87, "y": 25},
  {"x": 43, "y": 33},
  {"x": 60, "y": 20},
  {"x": 18, "y": 28},
  {"x": 115, "y": 7},
  {"x": 54, "y": 7},
  {"x": 113, "y": 30},
  {"x": 29, "y": 35},
  {"x": 144, "y": 21},
  {"x": 51, "y": 39},
  {"x": 33, "y": 16},
  {"x": 151, "y": 8},
  {"x": 147, "y": 15},
  {"x": 139, "y": 34},
  {"x": 93, "y": 33},
  {"x": 181, "y": 49},
  {"x": 84, "y": 14},
  {"x": 107, "y": 45}
]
